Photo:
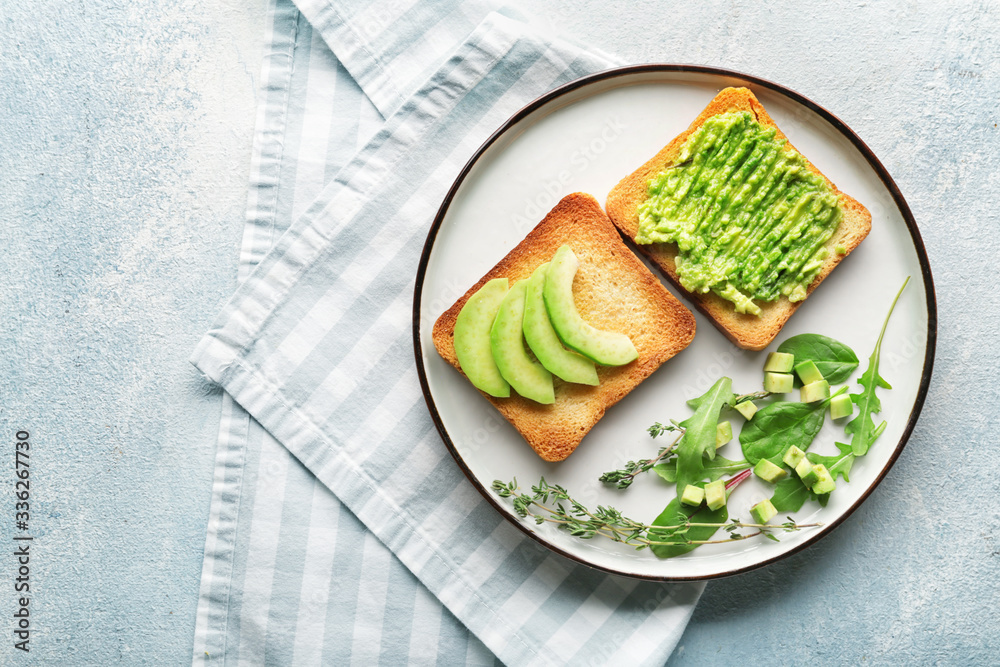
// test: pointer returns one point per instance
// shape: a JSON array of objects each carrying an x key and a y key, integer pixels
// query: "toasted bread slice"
[
  {"x": 614, "y": 291},
  {"x": 749, "y": 332}
]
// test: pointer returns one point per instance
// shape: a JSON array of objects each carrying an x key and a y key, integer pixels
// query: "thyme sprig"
[
  {"x": 552, "y": 503},
  {"x": 752, "y": 396},
  {"x": 658, "y": 429},
  {"x": 623, "y": 477}
]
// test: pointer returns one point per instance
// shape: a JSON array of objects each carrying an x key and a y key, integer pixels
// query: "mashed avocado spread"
[{"x": 749, "y": 218}]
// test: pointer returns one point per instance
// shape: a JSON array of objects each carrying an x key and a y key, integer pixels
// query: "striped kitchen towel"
[{"x": 341, "y": 530}]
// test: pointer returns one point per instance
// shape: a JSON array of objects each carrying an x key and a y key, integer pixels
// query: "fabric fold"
[
  {"x": 337, "y": 582},
  {"x": 391, "y": 48},
  {"x": 315, "y": 344}
]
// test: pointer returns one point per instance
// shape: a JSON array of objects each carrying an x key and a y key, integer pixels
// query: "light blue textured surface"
[{"x": 123, "y": 163}]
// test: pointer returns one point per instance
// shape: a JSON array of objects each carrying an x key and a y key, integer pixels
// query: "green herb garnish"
[
  {"x": 698, "y": 440},
  {"x": 778, "y": 426},
  {"x": 691, "y": 459},
  {"x": 550, "y": 503},
  {"x": 838, "y": 464},
  {"x": 863, "y": 427},
  {"x": 714, "y": 469},
  {"x": 676, "y": 514},
  {"x": 790, "y": 494},
  {"x": 623, "y": 477},
  {"x": 833, "y": 359}
]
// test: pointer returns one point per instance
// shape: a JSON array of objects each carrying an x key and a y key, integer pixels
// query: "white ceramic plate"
[{"x": 586, "y": 136}]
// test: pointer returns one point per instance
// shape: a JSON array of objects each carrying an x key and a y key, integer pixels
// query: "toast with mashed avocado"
[
  {"x": 738, "y": 219},
  {"x": 613, "y": 292}
]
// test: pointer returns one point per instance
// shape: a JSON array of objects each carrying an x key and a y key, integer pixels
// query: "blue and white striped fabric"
[{"x": 344, "y": 533}]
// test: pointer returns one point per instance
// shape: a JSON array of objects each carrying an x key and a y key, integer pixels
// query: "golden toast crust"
[{"x": 614, "y": 291}]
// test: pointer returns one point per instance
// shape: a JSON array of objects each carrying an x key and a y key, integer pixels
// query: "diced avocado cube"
[
  {"x": 778, "y": 383},
  {"x": 723, "y": 433},
  {"x": 808, "y": 372},
  {"x": 806, "y": 472},
  {"x": 763, "y": 511},
  {"x": 793, "y": 456},
  {"x": 693, "y": 495},
  {"x": 814, "y": 391},
  {"x": 747, "y": 408},
  {"x": 715, "y": 494},
  {"x": 824, "y": 481},
  {"x": 779, "y": 362},
  {"x": 768, "y": 472},
  {"x": 840, "y": 249},
  {"x": 841, "y": 406}
]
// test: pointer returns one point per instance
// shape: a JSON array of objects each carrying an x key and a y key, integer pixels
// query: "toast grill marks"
[
  {"x": 613, "y": 291},
  {"x": 747, "y": 331}
]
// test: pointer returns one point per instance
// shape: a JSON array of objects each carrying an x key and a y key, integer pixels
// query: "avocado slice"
[
  {"x": 545, "y": 343},
  {"x": 824, "y": 481},
  {"x": 528, "y": 377},
  {"x": 472, "y": 338},
  {"x": 723, "y": 433},
  {"x": 604, "y": 347},
  {"x": 693, "y": 495},
  {"x": 763, "y": 511},
  {"x": 779, "y": 362},
  {"x": 715, "y": 494},
  {"x": 793, "y": 456},
  {"x": 778, "y": 383},
  {"x": 807, "y": 472},
  {"x": 814, "y": 391},
  {"x": 747, "y": 408},
  {"x": 808, "y": 372},
  {"x": 841, "y": 406},
  {"x": 769, "y": 472}
]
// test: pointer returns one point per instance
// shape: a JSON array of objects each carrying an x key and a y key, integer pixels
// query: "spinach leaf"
[
  {"x": 834, "y": 360},
  {"x": 698, "y": 440},
  {"x": 714, "y": 469},
  {"x": 863, "y": 427},
  {"x": 778, "y": 426},
  {"x": 675, "y": 514},
  {"x": 838, "y": 464},
  {"x": 790, "y": 494}
]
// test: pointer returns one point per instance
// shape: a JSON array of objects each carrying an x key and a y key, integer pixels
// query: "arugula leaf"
[
  {"x": 834, "y": 360},
  {"x": 714, "y": 469},
  {"x": 838, "y": 464},
  {"x": 778, "y": 426},
  {"x": 675, "y": 514},
  {"x": 862, "y": 427},
  {"x": 790, "y": 494},
  {"x": 699, "y": 433}
]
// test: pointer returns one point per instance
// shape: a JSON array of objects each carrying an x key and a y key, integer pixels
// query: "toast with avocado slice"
[
  {"x": 613, "y": 291},
  {"x": 737, "y": 219}
]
